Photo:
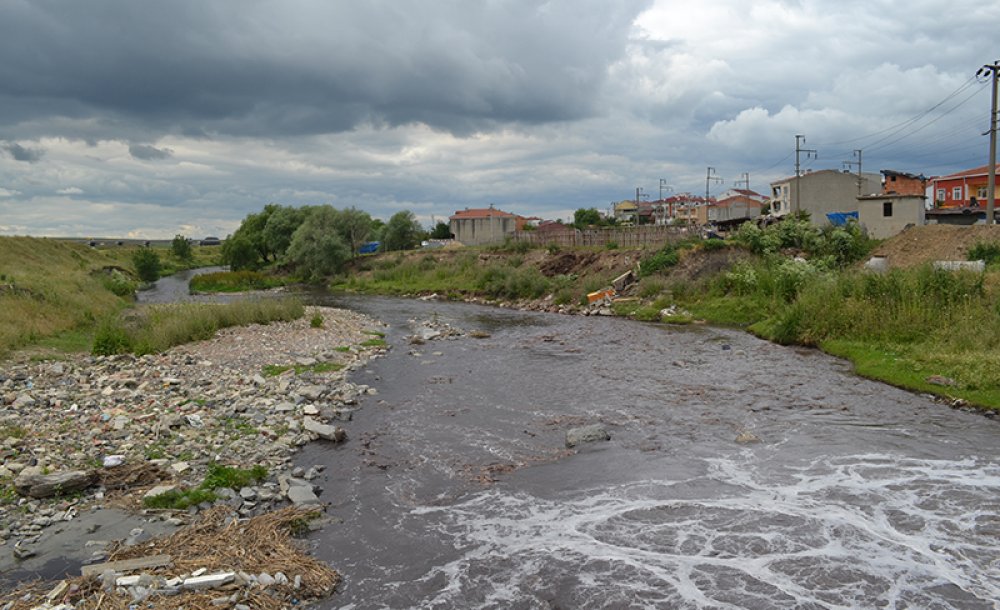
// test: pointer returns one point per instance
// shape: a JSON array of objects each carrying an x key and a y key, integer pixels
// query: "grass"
[
  {"x": 374, "y": 343},
  {"x": 217, "y": 477},
  {"x": 156, "y": 328},
  {"x": 233, "y": 281}
]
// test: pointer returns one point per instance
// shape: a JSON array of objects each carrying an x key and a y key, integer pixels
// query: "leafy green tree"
[
  {"x": 279, "y": 227},
  {"x": 317, "y": 249},
  {"x": 402, "y": 232},
  {"x": 238, "y": 252},
  {"x": 586, "y": 217},
  {"x": 181, "y": 248},
  {"x": 252, "y": 231},
  {"x": 441, "y": 231},
  {"x": 354, "y": 227},
  {"x": 147, "y": 264}
]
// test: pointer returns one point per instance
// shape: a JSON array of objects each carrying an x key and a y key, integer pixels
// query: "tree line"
[{"x": 316, "y": 241}]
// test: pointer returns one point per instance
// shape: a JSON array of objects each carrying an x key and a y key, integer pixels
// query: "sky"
[{"x": 151, "y": 119}]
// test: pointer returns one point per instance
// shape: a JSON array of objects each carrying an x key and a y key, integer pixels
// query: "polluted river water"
[{"x": 739, "y": 474}]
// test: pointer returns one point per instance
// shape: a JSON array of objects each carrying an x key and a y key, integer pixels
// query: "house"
[
  {"x": 682, "y": 208},
  {"x": 477, "y": 226},
  {"x": 743, "y": 192},
  {"x": 900, "y": 204},
  {"x": 627, "y": 211},
  {"x": 731, "y": 208},
  {"x": 966, "y": 188},
  {"x": 821, "y": 192}
]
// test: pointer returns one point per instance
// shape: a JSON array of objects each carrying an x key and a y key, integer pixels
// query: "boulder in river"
[{"x": 586, "y": 434}]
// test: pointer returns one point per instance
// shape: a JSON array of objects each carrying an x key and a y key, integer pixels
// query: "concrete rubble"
[{"x": 67, "y": 427}]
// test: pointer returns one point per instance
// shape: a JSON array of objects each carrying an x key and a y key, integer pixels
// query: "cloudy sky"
[{"x": 148, "y": 119}]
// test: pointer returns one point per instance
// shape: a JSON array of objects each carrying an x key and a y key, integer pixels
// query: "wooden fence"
[{"x": 624, "y": 237}]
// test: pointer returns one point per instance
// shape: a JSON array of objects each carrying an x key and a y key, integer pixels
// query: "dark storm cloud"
[
  {"x": 267, "y": 68},
  {"x": 21, "y": 153},
  {"x": 146, "y": 152}
]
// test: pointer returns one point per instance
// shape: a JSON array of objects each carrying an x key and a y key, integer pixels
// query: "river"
[{"x": 739, "y": 474}]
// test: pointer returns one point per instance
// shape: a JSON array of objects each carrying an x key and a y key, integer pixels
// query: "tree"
[
  {"x": 354, "y": 227},
  {"x": 586, "y": 217},
  {"x": 252, "y": 231},
  {"x": 147, "y": 264},
  {"x": 441, "y": 231},
  {"x": 402, "y": 232},
  {"x": 181, "y": 248},
  {"x": 238, "y": 252},
  {"x": 317, "y": 249},
  {"x": 279, "y": 227}
]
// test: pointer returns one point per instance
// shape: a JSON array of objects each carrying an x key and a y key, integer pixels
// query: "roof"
[
  {"x": 728, "y": 201},
  {"x": 892, "y": 172},
  {"x": 471, "y": 213},
  {"x": 817, "y": 172},
  {"x": 976, "y": 171}
]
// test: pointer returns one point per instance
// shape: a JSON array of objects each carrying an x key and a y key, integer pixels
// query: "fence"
[{"x": 624, "y": 237}]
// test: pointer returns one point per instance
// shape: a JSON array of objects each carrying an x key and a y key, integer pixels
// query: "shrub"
[
  {"x": 110, "y": 339},
  {"x": 985, "y": 251},
  {"x": 611, "y": 245},
  {"x": 316, "y": 321},
  {"x": 147, "y": 264},
  {"x": 181, "y": 248}
]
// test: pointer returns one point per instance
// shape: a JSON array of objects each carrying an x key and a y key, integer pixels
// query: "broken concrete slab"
[
  {"x": 59, "y": 483},
  {"x": 127, "y": 565},
  {"x": 208, "y": 581}
]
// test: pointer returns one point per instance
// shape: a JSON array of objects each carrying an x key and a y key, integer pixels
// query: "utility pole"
[
  {"x": 991, "y": 187},
  {"x": 857, "y": 155},
  {"x": 663, "y": 209},
  {"x": 799, "y": 141},
  {"x": 710, "y": 177},
  {"x": 744, "y": 180}
]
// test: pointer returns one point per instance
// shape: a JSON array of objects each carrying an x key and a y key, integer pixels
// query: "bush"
[
  {"x": 316, "y": 321},
  {"x": 147, "y": 264},
  {"x": 181, "y": 248},
  {"x": 985, "y": 251},
  {"x": 111, "y": 339}
]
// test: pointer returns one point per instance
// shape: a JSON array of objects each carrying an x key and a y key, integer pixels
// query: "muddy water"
[
  {"x": 174, "y": 288},
  {"x": 455, "y": 489}
]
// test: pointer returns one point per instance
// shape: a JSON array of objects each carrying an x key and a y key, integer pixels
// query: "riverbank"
[
  {"x": 913, "y": 327},
  {"x": 193, "y": 419}
]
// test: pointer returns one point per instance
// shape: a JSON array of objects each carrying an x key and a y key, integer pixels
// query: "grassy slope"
[{"x": 53, "y": 292}]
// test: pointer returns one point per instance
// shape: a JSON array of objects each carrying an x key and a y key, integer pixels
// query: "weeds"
[
  {"x": 233, "y": 281},
  {"x": 217, "y": 477},
  {"x": 273, "y": 370}
]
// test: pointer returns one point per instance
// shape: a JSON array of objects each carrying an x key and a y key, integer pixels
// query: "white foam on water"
[{"x": 848, "y": 532}]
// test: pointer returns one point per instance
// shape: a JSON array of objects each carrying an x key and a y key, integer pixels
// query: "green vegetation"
[
  {"x": 147, "y": 264},
  {"x": 156, "y": 328},
  {"x": 50, "y": 287},
  {"x": 273, "y": 370},
  {"x": 402, "y": 232},
  {"x": 217, "y": 477},
  {"x": 233, "y": 281},
  {"x": 316, "y": 321},
  {"x": 374, "y": 343},
  {"x": 180, "y": 247},
  {"x": 985, "y": 251}
]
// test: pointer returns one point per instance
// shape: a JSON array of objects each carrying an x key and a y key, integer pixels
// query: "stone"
[
  {"x": 586, "y": 434},
  {"x": 302, "y": 494},
  {"x": 941, "y": 380},
  {"x": 311, "y": 392},
  {"x": 747, "y": 437},
  {"x": 265, "y": 579},
  {"x": 159, "y": 490},
  {"x": 208, "y": 581},
  {"x": 324, "y": 431},
  {"x": 48, "y": 485}
]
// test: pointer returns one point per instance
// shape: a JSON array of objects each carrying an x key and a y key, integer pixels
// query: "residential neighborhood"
[{"x": 883, "y": 204}]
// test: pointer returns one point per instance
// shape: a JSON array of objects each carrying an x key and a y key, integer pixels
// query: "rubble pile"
[
  {"x": 96, "y": 430},
  {"x": 222, "y": 560}
]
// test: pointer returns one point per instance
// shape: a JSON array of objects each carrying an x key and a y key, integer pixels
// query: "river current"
[{"x": 739, "y": 474}]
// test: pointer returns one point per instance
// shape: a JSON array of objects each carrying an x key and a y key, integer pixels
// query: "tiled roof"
[
  {"x": 976, "y": 171},
  {"x": 469, "y": 213}
]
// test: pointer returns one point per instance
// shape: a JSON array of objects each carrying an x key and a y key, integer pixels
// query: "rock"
[
  {"x": 586, "y": 434},
  {"x": 208, "y": 581},
  {"x": 941, "y": 380},
  {"x": 299, "y": 492},
  {"x": 24, "y": 401},
  {"x": 159, "y": 490},
  {"x": 311, "y": 392},
  {"x": 747, "y": 437},
  {"x": 324, "y": 431},
  {"x": 265, "y": 579},
  {"x": 180, "y": 467},
  {"x": 48, "y": 485}
]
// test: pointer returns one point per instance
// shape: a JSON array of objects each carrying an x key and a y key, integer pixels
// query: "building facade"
[
  {"x": 821, "y": 192},
  {"x": 729, "y": 208},
  {"x": 964, "y": 189},
  {"x": 478, "y": 226}
]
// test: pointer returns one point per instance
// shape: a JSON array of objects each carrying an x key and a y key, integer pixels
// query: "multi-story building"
[
  {"x": 964, "y": 189},
  {"x": 821, "y": 192}
]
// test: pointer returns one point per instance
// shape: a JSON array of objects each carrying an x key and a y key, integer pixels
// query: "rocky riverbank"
[{"x": 116, "y": 430}]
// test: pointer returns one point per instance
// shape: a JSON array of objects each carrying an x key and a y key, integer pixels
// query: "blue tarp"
[
  {"x": 839, "y": 219},
  {"x": 370, "y": 247}
]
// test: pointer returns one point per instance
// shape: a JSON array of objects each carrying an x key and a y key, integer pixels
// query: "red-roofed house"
[
  {"x": 730, "y": 208},
  {"x": 963, "y": 189},
  {"x": 477, "y": 226}
]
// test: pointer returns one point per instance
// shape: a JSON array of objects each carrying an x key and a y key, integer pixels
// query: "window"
[
  {"x": 887, "y": 209},
  {"x": 940, "y": 194},
  {"x": 981, "y": 192},
  {"x": 956, "y": 194}
]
